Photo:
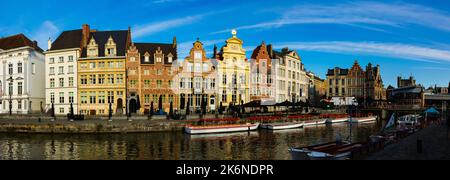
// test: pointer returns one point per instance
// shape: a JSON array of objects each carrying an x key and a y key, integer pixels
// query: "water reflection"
[{"x": 258, "y": 145}]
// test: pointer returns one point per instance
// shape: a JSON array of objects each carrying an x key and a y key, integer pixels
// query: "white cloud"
[
  {"x": 394, "y": 50},
  {"x": 152, "y": 28},
  {"x": 360, "y": 14},
  {"x": 46, "y": 30}
]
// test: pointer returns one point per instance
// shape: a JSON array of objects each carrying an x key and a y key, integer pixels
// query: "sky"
[{"x": 404, "y": 37}]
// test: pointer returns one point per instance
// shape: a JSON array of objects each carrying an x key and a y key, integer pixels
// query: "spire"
[
  {"x": 215, "y": 51},
  {"x": 234, "y": 32},
  {"x": 174, "y": 43}
]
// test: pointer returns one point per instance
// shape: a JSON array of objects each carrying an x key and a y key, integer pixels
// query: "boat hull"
[
  {"x": 315, "y": 122},
  {"x": 282, "y": 126},
  {"x": 221, "y": 129},
  {"x": 365, "y": 119},
  {"x": 338, "y": 120}
]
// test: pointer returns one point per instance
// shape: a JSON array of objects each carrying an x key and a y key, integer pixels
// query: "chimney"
[
  {"x": 35, "y": 44},
  {"x": 86, "y": 30},
  {"x": 129, "y": 40},
  {"x": 49, "y": 44},
  {"x": 215, "y": 52}
]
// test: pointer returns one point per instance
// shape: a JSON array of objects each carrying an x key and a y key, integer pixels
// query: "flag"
[{"x": 390, "y": 123}]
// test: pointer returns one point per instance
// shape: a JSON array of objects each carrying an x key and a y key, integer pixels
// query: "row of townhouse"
[{"x": 90, "y": 70}]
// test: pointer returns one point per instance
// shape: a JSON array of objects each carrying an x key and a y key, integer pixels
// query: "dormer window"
[
  {"x": 170, "y": 58},
  {"x": 110, "y": 47},
  {"x": 92, "y": 48},
  {"x": 147, "y": 57},
  {"x": 159, "y": 59},
  {"x": 159, "y": 55}
]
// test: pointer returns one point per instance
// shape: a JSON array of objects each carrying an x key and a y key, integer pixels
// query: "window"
[
  {"x": 92, "y": 79},
  {"x": 52, "y": 60},
  {"x": 224, "y": 96},
  {"x": 170, "y": 60},
  {"x": 155, "y": 98},
  {"x": 19, "y": 88},
  {"x": 159, "y": 72},
  {"x": 147, "y": 59},
  {"x": 61, "y": 97},
  {"x": 159, "y": 84},
  {"x": 92, "y": 97},
  {"x": 61, "y": 70},
  {"x": 101, "y": 97},
  {"x": 132, "y": 59},
  {"x": 213, "y": 83},
  {"x": 170, "y": 98},
  {"x": 146, "y": 72},
  {"x": 110, "y": 96},
  {"x": 70, "y": 58},
  {"x": 234, "y": 79},
  {"x": 110, "y": 78},
  {"x": 71, "y": 97},
  {"x": 101, "y": 64},
  {"x": 101, "y": 79},
  {"x": 189, "y": 83},
  {"x": 147, "y": 99},
  {"x": 19, "y": 104},
  {"x": 83, "y": 97},
  {"x": 83, "y": 79},
  {"x": 61, "y": 82},
  {"x": 120, "y": 64},
  {"x": 52, "y": 71},
  {"x": 92, "y": 65},
  {"x": 146, "y": 84},
  {"x": 19, "y": 68},
  {"x": 83, "y": 65},
  {"x": 52, "y": 83},
  {"x": 224, "y": 79},
  {"x": 198, "y": 82},
  {"x": 183, "y": 83},
  {"x": 198, "y": 67},
  {"x": 111, "y": 64},
  {"x": 70, "y": 69},
  {"x": 158, "y": 59},
  {"x": 61, "y": 59},
  {"x": 61, "y": 110},
  {"x": 133, "y": 83},
  {"x": 120, "y": 79},
  {"x": 205, "y": 67},
  {"x": 197, "y": 55},
  {"x": 10, "y": 69},
  {"x": 343, "y": 82},
  {"x": 331, "y": 90},
  {"x": 170, "y": 83},
  {"x": 110, "y": 51},
  {"x": 343, "y": 90},
  {"x": 52, "y": 97}
]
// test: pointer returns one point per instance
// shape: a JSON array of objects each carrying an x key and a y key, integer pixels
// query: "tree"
[
  {"x": 188, "y": 107},
  {"x": 151, "y": 109},
  {"x": 160, "y": 106},
  {"x": 171, "y": 109}
]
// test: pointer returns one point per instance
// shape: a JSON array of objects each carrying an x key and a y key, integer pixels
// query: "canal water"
[{"x": 258, "y": 145}]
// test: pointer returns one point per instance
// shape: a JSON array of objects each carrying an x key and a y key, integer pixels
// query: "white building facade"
[
  {"x": 61, "y": 72},
  {"x": 290, "y": 76},
  {"x": 22, "y": 88}
]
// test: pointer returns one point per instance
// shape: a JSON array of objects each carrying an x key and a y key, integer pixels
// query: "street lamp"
[{"x": 10, "y": 94}]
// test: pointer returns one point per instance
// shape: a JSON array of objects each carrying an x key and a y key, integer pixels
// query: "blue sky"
[{"x": 404, "y": 37}]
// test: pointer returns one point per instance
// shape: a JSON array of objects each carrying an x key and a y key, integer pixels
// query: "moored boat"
[
  {"x": 302, "y": 152},
  {"x": 314, "y": 122},
  {"x": 337, "y": 120},
  {"x": 364, "y": 119},
  {"x": 338, "y": 152},
  {"x": 221, "y": 128},
  {"x": 280, "y": 126}
]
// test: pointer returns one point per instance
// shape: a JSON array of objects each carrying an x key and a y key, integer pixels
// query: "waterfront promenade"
[
  {"x": 24, "y": 124},
  {"x": 435, "y": 146}
]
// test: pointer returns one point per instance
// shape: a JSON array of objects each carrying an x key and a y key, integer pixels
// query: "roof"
[
  {"x": 101, "y": 38},
  {"x": 341, "y": 71},
  {"x": 67, "y": 40},
  {"x": 151, "y": 48},
  {"x": 408, "y": 89},
  {"x": 17, "y": 41}
]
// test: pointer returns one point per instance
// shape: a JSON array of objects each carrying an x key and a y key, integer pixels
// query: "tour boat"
[
  {"x": 337, "y": 120},
  {"x": 364, "y": 119},
  {"x": 314, "y": 122},
  {"x": 280, "y": 126},
  {"x": 221, "y": 128}
]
